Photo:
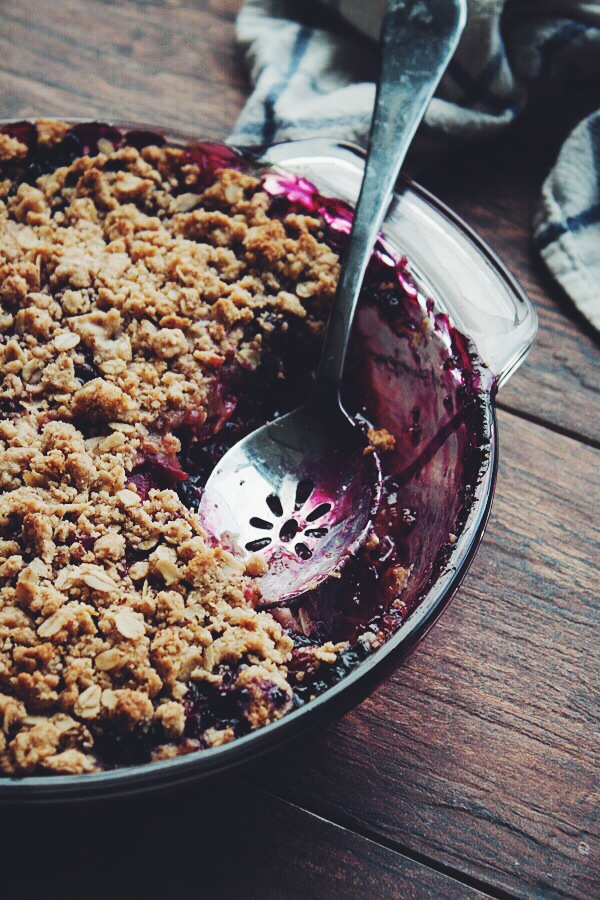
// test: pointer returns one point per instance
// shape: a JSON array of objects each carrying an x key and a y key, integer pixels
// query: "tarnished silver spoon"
[{"x": 303, "y": 489}]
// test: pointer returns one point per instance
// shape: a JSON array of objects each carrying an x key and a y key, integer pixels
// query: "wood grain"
[
  {"x": 173, "y": 65},
  {"x": 480, "y": 752},
  {"x": 225, "y": 841}
]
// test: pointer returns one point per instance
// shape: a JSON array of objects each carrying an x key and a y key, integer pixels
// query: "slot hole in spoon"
[
  {"x": 318, "y": 512},
  {"x": 256, "y": 522},
  {"x": 288, "y": 530},
  {"x": 274, "y": 504},
  {"x": 258, "y": 544},
  {"x": 303, "y": 551},
  {"x": 303, "y": 492},
  {"x": 316, "y": 532}
]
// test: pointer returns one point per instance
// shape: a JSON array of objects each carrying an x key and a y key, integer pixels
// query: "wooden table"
[{"x": 471, "y": 769}]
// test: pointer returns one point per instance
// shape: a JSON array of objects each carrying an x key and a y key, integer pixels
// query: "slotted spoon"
[{"x": 302, "y": 490}]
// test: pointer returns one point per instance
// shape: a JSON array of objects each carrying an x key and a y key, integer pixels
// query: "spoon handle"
[{"x": 418, "y": 39}]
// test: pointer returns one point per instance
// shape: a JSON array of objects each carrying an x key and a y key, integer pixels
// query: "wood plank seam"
[
  {"x": 348, "y": 824},
  {"x": 550, "y": 426}
]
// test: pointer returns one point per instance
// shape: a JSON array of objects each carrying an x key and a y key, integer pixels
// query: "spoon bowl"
[{"x": 302, "y": 492}]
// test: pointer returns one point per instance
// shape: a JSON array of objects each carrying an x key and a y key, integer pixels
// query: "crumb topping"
[
  {"x": 128, "y": 289},
  {"x": 381, "y": 439}
]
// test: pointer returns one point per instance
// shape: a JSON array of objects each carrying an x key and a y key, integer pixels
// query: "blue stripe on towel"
[
  {"x": 298, "y": 50},
  {"x": 556, "y": 230}
]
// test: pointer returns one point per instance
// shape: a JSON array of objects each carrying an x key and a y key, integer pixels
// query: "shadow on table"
[{"x": 217, "y": 840}]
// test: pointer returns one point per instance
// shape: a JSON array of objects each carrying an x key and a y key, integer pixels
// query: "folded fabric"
[{"x": 314, "y": 75}]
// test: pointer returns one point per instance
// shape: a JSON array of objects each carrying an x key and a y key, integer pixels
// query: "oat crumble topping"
[{"x": 128, "y": 289}]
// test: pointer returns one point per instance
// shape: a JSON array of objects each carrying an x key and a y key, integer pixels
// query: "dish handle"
[{"x": 466, "y": 278}]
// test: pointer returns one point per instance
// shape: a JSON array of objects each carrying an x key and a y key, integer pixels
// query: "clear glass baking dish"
[{"x": 464, "y": 286}]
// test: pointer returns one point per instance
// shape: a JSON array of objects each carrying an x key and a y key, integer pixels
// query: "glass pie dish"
[{"x": 425, "y": 372}]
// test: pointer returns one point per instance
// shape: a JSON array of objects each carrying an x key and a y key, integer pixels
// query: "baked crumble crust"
[{"x": 123, "y": 301}]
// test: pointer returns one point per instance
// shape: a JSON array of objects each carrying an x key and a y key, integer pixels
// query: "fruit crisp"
[{"x": 141, "y": 286}]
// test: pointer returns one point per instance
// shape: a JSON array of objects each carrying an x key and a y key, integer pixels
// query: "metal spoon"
[{"x": 303, "y": 489}]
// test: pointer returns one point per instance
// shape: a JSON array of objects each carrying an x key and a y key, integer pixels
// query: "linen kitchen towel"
[{"x": 314, "y": 75}]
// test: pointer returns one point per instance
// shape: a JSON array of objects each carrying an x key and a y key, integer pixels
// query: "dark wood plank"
[
  {"x": 173, "y": 65},
  {"x": 480, "y": 752},
  {"x": 495, "y": 188},
  {"x": 225, "y": 841}
]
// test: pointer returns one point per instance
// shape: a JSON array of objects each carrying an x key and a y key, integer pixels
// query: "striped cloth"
[{"x": 313, "y": 74}]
